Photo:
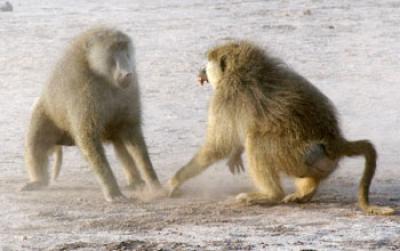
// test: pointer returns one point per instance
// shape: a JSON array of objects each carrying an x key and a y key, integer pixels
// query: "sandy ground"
[{"x": 350, "y": 50}]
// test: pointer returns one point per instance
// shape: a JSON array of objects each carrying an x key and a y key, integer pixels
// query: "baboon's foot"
[
  {"x": 118, "y": 199},
  {"x": 155, "y": 185},
  {"x": 34, "y": 185},
  {"x": 115, "y": 197},
  {"x": 242, "y": 198},
  {"x": 377, "y": 210},
  {"x": 297, "y": 198},
  {"x": 257, "y": 199}
]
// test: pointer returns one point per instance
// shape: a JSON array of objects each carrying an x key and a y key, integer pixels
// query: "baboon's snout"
[
  {"x": 123, "y": 72},
  {"x": 202, "y": 77},
  {"x": 124, "y": 79}
]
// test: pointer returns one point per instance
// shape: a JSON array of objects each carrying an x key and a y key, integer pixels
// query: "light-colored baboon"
[
  {"x": 283, "y": 122},
  {"x": 92, "y": 97}
]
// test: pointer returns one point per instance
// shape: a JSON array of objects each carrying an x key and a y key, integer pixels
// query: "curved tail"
[
  {"x": 57, "y": 162},
  {"x": 367, "y": 149}
]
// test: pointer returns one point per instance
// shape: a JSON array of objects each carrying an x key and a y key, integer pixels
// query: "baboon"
[
  {"x": 283, "y": 122},
  {"x": 92, "y": 97}
]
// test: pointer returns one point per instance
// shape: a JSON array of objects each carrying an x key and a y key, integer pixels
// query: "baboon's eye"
[
  {"x": 122, "y": 45},
  {"x": 222, "y": 63},
  {"x": 118, "y": 46}
]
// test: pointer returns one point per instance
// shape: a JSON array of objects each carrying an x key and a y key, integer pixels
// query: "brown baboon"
[
  {"x": 283, "y": 122},
  {"x": 92, "y": 97}
]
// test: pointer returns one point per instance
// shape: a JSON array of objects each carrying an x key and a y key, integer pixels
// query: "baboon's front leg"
[
  {"x": 205, "y": 157},
  {"x": 93, "y": 150},
  {"x": 136, "y": 146},
  {"x": 37, "y": 164}
]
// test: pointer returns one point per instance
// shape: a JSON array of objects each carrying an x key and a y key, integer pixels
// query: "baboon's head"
[
  {"x": 110, "y": 55},
  {"x": 238, "y": 57}
]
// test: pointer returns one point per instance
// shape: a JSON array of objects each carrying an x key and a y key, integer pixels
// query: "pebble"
[{"x": 6, "y": 7}]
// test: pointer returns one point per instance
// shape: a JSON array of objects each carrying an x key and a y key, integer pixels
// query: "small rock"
[
  {"x": 331, "y": 27},
  {"x": 6, "y": 7},
  {"x": 307, "y": 12}
]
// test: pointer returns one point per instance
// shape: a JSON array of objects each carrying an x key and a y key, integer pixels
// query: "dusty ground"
[{"x": 350, "y": 50}]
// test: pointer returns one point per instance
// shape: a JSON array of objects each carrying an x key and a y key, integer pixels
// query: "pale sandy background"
[{"x": 349, "y": 49}]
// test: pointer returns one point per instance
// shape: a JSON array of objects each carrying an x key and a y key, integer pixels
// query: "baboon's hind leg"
[
  {"x": 305, "y": 190},
  {"x": 38, "y": 145},
  {"x": 265, "y": 179},
  {"x": 36, "y": 157},
  {"x": 131, "y": 172},
  {"x": 269, "y": 189}
]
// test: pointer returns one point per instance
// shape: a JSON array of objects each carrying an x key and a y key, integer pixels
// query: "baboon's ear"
[{"x": 222, "y": 63}]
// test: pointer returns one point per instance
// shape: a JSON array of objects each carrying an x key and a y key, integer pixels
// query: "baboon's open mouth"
[{"x": 202, "y": 77}]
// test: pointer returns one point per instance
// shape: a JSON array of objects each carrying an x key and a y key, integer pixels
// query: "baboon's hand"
[
  {"x": 235, "y": 164},
  {"x": 172, "y": 187}
]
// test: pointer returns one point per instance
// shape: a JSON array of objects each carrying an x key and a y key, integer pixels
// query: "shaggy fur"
[
  {"x": 91, "y": 97},
  {"x": 285, "y": 124}
]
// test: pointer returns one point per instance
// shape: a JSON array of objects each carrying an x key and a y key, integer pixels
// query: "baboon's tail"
[
  {"x": 367, "y": 149},
  {"x": 57, "y": 161}
]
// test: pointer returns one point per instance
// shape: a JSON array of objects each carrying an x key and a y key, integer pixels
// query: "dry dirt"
[{"x": 349, "y": 49}]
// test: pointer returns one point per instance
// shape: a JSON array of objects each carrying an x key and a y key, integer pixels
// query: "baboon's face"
[
  {"x": 212, "y": 73},
  {"x": 221, "y": 61},
  {"x": 233, "y": 59},
  {"x": 113, "y": 60}
]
